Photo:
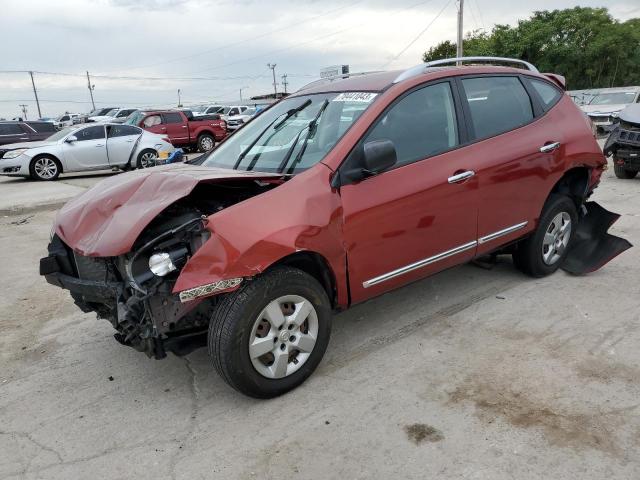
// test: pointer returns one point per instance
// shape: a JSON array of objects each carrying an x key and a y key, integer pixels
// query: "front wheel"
[
  {"x": 45, "y": 168},
  {"x": 544, "y": 251},
  {"x": 268, "y": 337}
]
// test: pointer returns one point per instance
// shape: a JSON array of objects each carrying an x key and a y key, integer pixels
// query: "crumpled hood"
[
  {"x": 631, "y": 114},
  {"x": 602, "y": 109},
  {"x": 107, "y": 219}
]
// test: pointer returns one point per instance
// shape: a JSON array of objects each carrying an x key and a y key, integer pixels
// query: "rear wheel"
[
  {"x": 45, "y": 168},
  {"x": 622, "y": 172},
  {"x": 147, "y": 158},
  {"x": 268, "y": 337},
  {"x": 206, "y": 142},
  {"x": 543, "y": 252}
]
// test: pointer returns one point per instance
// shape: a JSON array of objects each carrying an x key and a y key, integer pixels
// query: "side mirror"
[
  {"x": 378, "y": 155},
  {"x": 71, "y": 139}
]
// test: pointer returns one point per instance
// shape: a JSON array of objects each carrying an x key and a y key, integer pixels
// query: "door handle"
[
  {"x": 99, "y": 145},
  {"x": 184, "y": 126},
  {"x": 461, "y": 177},
  {"x": 549, "y": 147}
]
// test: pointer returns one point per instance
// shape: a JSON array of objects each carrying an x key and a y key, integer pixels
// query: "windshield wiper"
[
  {"x": 311, "y": 126},
  {"x": 289, "y": 114}
]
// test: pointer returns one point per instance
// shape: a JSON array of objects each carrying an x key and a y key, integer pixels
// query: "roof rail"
[
  {"x": 418, "y": 69},
  {"x": 339, "y": 76}
]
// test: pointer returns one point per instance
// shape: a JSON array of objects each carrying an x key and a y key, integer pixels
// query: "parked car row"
[{"x": 603, "y": 106}]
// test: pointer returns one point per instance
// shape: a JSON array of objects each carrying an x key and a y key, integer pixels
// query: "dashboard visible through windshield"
[{"x": 293, "y": 135}]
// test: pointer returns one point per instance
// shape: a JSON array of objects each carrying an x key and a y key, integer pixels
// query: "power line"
[
  {"x": 240, "y": 42},
  {"x": 395, "y": 57},
  {"x": 322, "y": 37}
]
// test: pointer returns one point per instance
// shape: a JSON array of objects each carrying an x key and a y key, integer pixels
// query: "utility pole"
[
  {"x": 24, "y": 110},
  {"x": 284, "y": 82},
  {"x": 35, "y": 92},
  {"x": 91, "y": 87},
  {"x": 459, "y": 52},
  {"x": 242, "y": 88},
  {"x": 179, "y": 102},
  {"x": 275, "y": 88}
]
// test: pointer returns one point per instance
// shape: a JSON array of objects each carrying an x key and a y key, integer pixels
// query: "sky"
[{"x": 140, "y": 52}]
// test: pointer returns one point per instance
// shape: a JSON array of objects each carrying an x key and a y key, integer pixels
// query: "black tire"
[
  {"x": 529, "y": 254},
  {"x": 37, "y": 168},
  {"x": 142, "y": 161},
  {"x": 206, "y": 142},
  {"x": 623, "y": 173},
  {"x": 234, "y": 317}
]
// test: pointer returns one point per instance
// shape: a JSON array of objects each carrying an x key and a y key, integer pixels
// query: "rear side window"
[
  {"x": 42, "y": 127},
  {"x": 497, "y": 104},
  {"x": 91, "y": 133},
  {"x": 548, "y": 93},
  {"x": 420, "y": 125},
  {"x": 172, "y": 118},
  {"x": 122, "y": 131},
  {"x": 10, "y": 129}
]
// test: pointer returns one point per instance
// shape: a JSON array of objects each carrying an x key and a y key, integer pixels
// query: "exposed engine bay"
[{"x": 134, "y": 290}]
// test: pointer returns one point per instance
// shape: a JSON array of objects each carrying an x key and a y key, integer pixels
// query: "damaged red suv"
[{"x": 345, "y": 190}]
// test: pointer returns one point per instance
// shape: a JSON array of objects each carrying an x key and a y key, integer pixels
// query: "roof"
[{"x": 378, "y": 81}]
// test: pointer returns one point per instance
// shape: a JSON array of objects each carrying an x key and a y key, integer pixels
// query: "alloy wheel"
[
  {"x": 556, "y": 238},
  {"x": 148, "y": 159},
  {"x": 45, "y": 168},
  {"x": 283, "y": 336},
  {"x": 206, "y": 143}
]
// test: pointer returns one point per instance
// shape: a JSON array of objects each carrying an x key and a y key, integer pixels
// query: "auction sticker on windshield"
[{"x": 364, "y": 97}]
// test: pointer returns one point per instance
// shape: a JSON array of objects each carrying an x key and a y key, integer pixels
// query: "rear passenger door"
[
  {"x": 507, "y": 136},
  {"x": 121, "y": 139}
]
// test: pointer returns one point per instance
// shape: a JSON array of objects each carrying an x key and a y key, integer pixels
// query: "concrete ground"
[{"x": 470, "y": 374}]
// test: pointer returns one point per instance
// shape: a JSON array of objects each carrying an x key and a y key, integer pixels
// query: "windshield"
[
  {"x": 135, "y": 118},
  {"x": 293, "y": 135},
  {"x": 111, "y": 112},
  {"x": 60, "y": 134},
  {"x": 613, "y": 98},
  {"x": 249, "y": 111}
]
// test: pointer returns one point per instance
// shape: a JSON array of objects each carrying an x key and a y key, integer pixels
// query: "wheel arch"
[
  {"x": 574, "y": 183},
  {"x": 315, "y": 265},
  {"x": 46, "y": 154}
]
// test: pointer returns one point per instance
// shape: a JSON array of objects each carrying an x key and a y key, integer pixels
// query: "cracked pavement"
[{"x": 470, "y": 374}]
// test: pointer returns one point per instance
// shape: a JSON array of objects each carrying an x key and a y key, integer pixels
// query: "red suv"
[{"x": 343, "y": 191}]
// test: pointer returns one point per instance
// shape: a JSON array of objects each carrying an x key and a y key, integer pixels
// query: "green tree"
[{"x": 586, "y": 45}]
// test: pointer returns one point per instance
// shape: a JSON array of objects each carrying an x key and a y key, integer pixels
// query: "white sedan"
[{"x": 85, "y": 147}]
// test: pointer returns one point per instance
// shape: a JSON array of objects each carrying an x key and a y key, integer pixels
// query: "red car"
[
  {"x": 182, "y": 129},
  {"x": 343, "y": 191}
]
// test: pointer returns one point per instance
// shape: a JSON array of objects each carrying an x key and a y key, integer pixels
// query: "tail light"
[
  {"x": 223, "y": 124},
  {"x": 166, "y": 139}
]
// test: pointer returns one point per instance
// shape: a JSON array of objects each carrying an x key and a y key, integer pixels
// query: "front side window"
[
  {"x": 291, "y": 136},
  {"x": 497, "y": 104},
  {"x": 548, "y": 93},
  {"x": 152, "y": 121},
  {"x": 90, "y": 133},
  {"x": 42, "y": 127},
  {"x": 421, "y": 124}
]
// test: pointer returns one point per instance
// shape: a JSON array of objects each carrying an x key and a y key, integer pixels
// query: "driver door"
[
  {"x": 89, "y": 151},
  {"x": 420, "y": 216}
]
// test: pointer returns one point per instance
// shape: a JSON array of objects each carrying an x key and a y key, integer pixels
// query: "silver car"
[{"x": 85, "y": 147}]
